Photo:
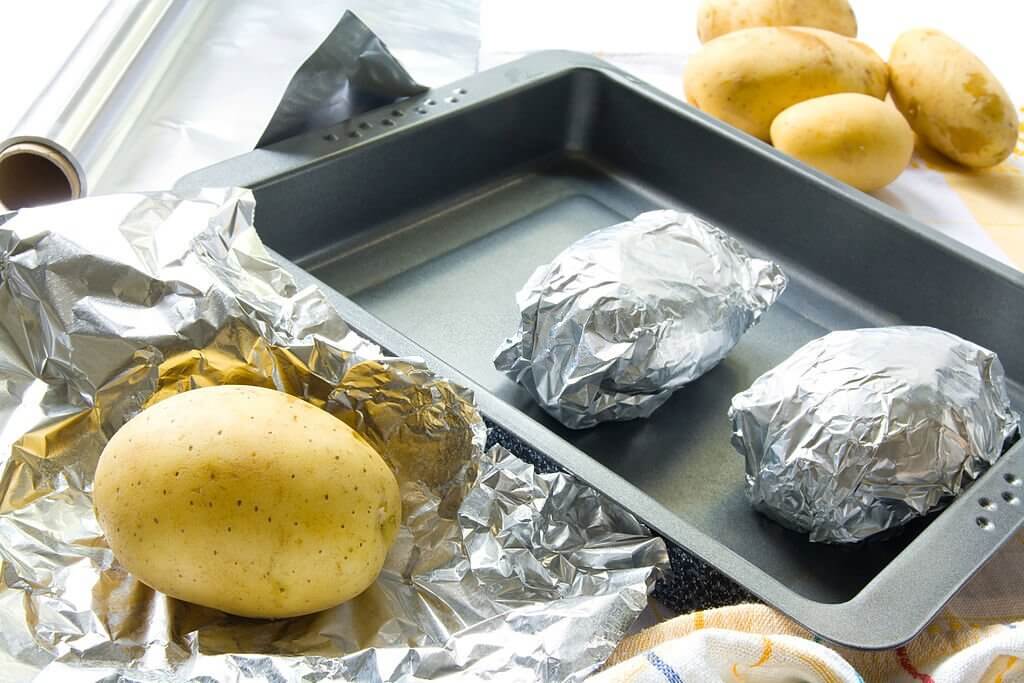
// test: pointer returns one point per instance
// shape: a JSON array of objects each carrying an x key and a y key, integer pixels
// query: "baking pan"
[{"x": 424, "y": 219}]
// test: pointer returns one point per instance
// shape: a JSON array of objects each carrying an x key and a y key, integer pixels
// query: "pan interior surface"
[
  {"x": 448, "y": 280},
  {"x": 433, "y": 221}
]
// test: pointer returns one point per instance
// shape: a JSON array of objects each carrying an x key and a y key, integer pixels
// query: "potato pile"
[
  {"x": 247, "y": 500},
  {"x": 791, "y": 73}
]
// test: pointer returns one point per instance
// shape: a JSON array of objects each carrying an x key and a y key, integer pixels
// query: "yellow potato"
[
  {"x": 718, "y": 17},
  {"x": 855, "y": 138},
  {"x": 747, "y": 77},
  {"x": 951, "y": 99},
  {"x": 247, "y": 500}
]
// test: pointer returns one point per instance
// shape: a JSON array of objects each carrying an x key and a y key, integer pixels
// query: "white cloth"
[
  {"x": 718, "y": 656},
  {"x": 715, "y": 655}
]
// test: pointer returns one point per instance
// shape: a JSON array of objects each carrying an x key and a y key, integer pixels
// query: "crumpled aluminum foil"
[
  {"x": 628, "y": 314},
  {"x": 110, "y": 303},
  {"x": 861, "y": 431}
]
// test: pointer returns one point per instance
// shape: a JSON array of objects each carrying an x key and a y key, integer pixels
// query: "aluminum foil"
[
  {"x": 628, "y": 314},
  {"x": 350, "y": 73},
  {"x": 160, "y": 88},
  {"x": 110, "y": 303},
  {"x": 862, "y": 431}
]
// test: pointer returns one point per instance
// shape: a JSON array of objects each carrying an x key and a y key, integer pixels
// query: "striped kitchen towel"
[{"x": 977, "y": 638}]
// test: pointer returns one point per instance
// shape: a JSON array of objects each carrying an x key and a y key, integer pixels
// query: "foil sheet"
[
  {"x": 350, "y": 73},
  {"x": 628, "y": 314},
  {"x": 161, "y": 88},
  {"x": 111, "y": 303},
  {"x": 861, "y": 431}
]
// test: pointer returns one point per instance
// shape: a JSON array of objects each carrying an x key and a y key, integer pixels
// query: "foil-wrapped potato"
[
  {"x": 862, "y": 431},
  {"x": 628, "y": 314}
]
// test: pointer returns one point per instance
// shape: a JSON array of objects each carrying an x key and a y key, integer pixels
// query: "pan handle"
[{"x": 967, "y": 534}]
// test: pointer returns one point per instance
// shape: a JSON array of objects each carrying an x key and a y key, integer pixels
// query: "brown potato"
[
  {"x": 855, "y": 138},
  {"x": 951, "y": 99},
  {"x": 247, "y": 500},
  {"x": 718, "y": 17},
  {"x": 747, "y": 77}
]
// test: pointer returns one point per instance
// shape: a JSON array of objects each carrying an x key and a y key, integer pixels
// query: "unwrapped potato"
[
  {"x": 746, "y": 78},
  {"x": 951, "y": 99},
  {"x": 247, "y": 500},
  {"x": 855, "y": 138},
  {"x": 718, "y": 17}
]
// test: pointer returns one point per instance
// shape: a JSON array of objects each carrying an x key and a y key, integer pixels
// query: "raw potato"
[
  {"x": 718, "y": 17},
  {"x": 247, "y": 500},
  {"x": 858, "y": 139},
  {"x": 951, "y": 99},
  {"x": 747, "y": 77}
]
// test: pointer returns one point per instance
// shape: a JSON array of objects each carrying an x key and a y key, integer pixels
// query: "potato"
[
  {"x": 747, "y": 77},
  {"x": 951, "y": 99},
  {"x": 856, "y": 138},
  {"x": 247, "y": 500},
  {"x": 718, "y": 17}
]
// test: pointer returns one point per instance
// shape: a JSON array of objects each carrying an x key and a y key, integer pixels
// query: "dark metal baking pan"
[{"x": 427, "y": 217}]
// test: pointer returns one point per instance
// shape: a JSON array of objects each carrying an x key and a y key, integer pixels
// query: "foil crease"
[
  {"x": 630, "y": 313},
  {"x": 862, "y": 431},
  {"x": 111, "y": 303}
]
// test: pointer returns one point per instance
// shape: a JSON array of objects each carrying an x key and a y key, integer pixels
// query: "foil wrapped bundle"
[
  {"x": 861, "y": 431},
  {"x": 111, "y": 303},
  {"x": 630, "y": 313}
]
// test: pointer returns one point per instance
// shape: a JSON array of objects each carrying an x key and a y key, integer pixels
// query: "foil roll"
[
  {"x": 111, "y": 303},
  {"x": 862, "y": 431},
  {"x": 158, "y": 89},
  {"x": 64, "y": 142},
  {"x": 630, "y": 313}
]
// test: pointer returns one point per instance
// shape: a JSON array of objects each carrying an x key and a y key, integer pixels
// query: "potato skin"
[
  {"x": 747, "y": 77},
  {"x": 855, "y": 138},
  {"x": 718, "y": 17},
  {"x": 247, "y": 500},
  {"x": 951, "y": 99}
]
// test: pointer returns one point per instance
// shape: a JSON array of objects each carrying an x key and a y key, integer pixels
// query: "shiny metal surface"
[
  {"x": 630, "y": 313},
  {"x": 861, "y": 431},
  {"x": 86, "y": 111},
  {"x": 159, "y": 88},
  {"x": 350, "y": 73},
  {"x": 110, "y": 303}
]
